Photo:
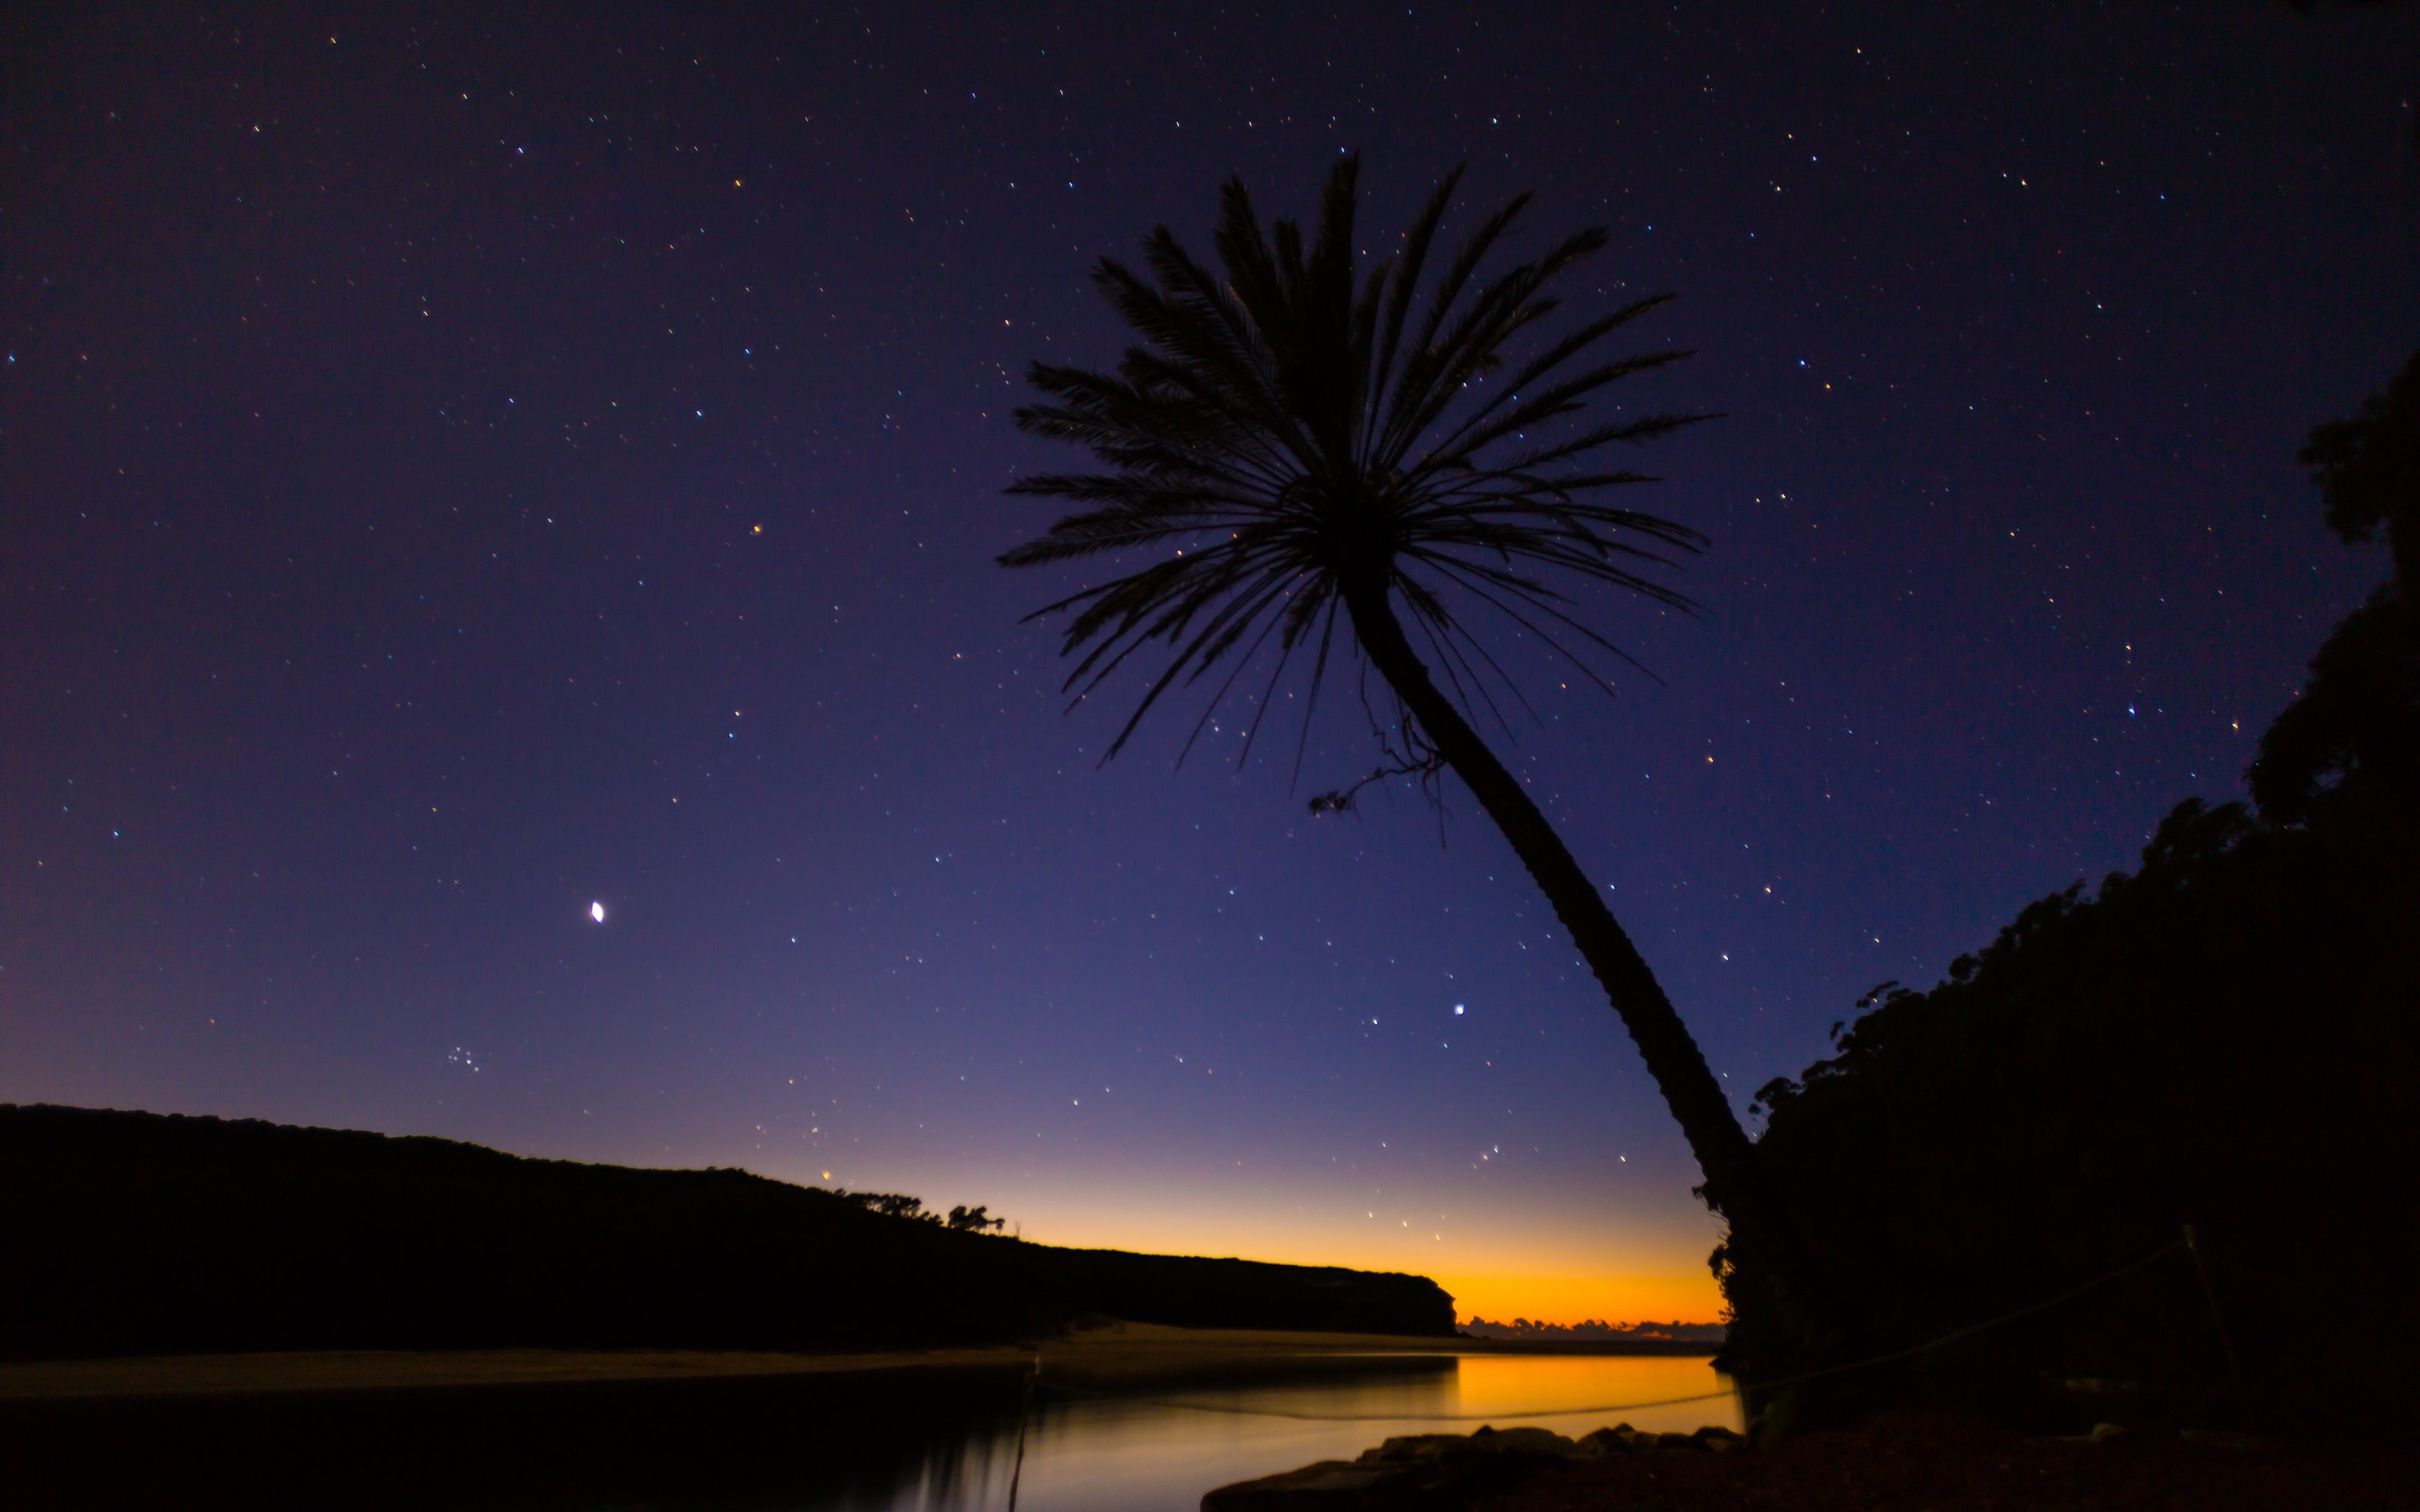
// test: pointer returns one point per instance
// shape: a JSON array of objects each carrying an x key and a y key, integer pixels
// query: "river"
[
  {"x": 1159, "y": 1451},
  {"x": 907, "y": 1440}
]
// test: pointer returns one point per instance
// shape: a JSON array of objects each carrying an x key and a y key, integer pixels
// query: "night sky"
[{"x": 458, "y": 470}]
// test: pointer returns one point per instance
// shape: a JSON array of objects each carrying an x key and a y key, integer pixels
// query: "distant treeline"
[
  {"x": 2228, "y": 1038},
  {"x": 1598, "y": 1329},
  {"x": 136, "y": 1233},
  {"x": 974, "y": 1220}
]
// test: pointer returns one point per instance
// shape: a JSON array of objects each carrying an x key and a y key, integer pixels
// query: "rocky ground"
[{"x": 1899, "y": 1462}]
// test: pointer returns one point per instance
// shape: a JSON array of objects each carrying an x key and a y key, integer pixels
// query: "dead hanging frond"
[{"x": 1419, "y": 758}]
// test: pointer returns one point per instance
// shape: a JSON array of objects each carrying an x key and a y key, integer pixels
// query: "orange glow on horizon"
[
  {"x": 1634, "y": 1298},
  {"x": 1550, "y": 1271}
]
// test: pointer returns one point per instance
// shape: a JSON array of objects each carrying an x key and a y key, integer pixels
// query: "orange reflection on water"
[
  {"x": 1159, "y": 1451},
  {"x": 1662, "y": 1393}
]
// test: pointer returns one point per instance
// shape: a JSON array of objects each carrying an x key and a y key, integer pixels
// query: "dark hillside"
[
  {"x": 139, "y": 1233},
  {"x": 2228, "y": 1039}
]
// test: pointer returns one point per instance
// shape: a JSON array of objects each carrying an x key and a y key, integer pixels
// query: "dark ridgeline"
[
  {"x": 138, "y": 1233},
  {"x": 2228, "y": 1038},
  {"x": 1337, "y": 461}
]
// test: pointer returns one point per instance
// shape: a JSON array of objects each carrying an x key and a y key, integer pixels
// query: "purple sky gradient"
[{"x": 455, "y": 472}]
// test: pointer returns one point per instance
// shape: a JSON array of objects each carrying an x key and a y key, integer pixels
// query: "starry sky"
[{"x": 457, "y": 469}]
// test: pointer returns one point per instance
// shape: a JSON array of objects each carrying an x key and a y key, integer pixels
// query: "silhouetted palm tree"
[{"x": 1313, "y": 450}]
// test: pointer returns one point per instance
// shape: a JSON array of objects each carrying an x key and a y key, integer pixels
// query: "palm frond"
[{"x": 1284, "y": 426}]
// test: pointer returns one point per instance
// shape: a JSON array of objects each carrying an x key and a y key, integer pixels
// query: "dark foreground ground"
[{"x": 1907, "y": 1461}]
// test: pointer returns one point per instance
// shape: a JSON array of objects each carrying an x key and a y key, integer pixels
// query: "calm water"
[
  {"x": 1159, "y": 1449},
  {"x": 895, "y": 1440}
]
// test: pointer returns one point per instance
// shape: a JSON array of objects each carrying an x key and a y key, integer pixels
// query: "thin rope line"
[
  {"x": 1955, "y": 1335},
  {"x": 2256, "y": 1272},
  {"x": 1184, "y": 1405}
]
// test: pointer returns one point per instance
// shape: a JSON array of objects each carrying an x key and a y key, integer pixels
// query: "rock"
[
  {"x": 1424, "y": 1471},
  {"x": 1413, "y": 1471},
  {"x": 1329, "y": 1484},
  {"x": 1608, "y": 1441},
  {"x": 1430, "y": 1448},
  {"x": 1531, "y": 1442},
  {"x": 1412, "y": 1448}
]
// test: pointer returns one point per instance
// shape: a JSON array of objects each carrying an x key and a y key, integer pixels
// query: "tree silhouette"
[
  {"x": 889, "y": 1204},
  {"x": 2355, "y": 732},
  {"x": 1314, "y": 445},
  {"x": 2368, "y": 470}
]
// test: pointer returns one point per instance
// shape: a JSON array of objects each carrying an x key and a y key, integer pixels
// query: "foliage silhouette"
[
  {"x": 890, "y": 1204},
  {"x": 2354, "y": 734},
  {"x": 2368, "y": 470},
  {"x": 2225, "y": 1038},
  {"x": 1304, "y": 445}
]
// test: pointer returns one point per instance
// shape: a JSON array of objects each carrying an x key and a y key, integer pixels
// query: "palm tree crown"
[{"x": 1284, "y": 433}]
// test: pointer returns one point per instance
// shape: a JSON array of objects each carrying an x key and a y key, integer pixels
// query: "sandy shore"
[{"x": 1107, "y": 1355}]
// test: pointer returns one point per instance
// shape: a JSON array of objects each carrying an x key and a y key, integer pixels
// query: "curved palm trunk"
[{"x": 1762, "y": 1234}]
